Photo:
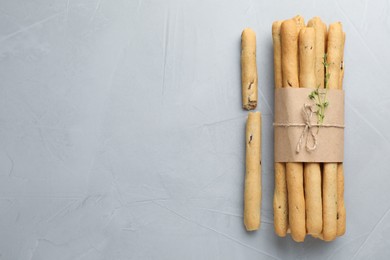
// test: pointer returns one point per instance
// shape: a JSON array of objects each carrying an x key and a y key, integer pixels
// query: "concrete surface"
[{"x": 122, "y": 133}]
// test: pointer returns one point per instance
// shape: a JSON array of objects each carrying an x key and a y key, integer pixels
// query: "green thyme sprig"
[{"x": 320, "y": 96}]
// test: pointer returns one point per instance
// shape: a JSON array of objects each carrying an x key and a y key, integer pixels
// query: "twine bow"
[
  {"x": 308, "y": 131},
  {"x": 307, "y": 112}
]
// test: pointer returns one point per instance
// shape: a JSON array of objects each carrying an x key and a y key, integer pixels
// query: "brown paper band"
[{"x": 298, "y": 135}]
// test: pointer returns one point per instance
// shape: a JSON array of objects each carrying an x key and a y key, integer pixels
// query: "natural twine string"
[{"x": 308, "y": 111}]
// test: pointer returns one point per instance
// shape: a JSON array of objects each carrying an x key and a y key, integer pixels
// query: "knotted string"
[
  {"x": 308, "y": 131},
  {"x": 307, "y": 113}
]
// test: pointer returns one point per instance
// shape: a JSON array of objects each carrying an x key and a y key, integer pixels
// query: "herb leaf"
[{"x": 320, "y": 98}]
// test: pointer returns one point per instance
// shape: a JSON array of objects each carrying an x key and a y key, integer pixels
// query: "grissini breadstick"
[
  {"x": 296, "y": 201},
  {"x": 321, "y": 39},
  {"x": 341, "y": 212},
  {"x": 307, "y": 55},
  {"x": 248, "y": 69},
  {"x": 294, "y": 171},
  {"x": 320, "y": 28},
  {"x": 342, "y": 64},
  {"x": 280, "y": 200},
  {"x": 329, "y": 201},
  {"x": 321, "y": 33},
  {"x": 277, "y": 54},
  {"x": 252, "y": 193},
  {"x": 311, "y": 171},
  {"x": 335, "y": 48},
  {"x": 289, "y": 44},
  {"x": 300, "y": 22},
  {"x": 280, "y": 191},
  {"x": 335, "y": 39}
]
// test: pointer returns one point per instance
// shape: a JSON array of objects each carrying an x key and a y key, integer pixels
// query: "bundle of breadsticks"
[{"x": 309, "y": 192}]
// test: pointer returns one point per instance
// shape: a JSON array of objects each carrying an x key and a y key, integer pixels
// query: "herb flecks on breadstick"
[
  {"x": 289, "y": 43},
  {"x": 307, "y": 77},
  {"x": 277, "y": 54},
  {"x": 252, "y": 193},
  {"x": 341, "y": 212},
  {"x": 294, "y": 171},
  {"x": 341, "y": 78},
  {"x": 334, "y": 57},
  {"x": 320, "y": 28},
  {"x": 248, "y": 69},
  {"x": 311, "y": 171},
  {"x": 335, "y": 49},
  {"x": 280, "y": 192}
]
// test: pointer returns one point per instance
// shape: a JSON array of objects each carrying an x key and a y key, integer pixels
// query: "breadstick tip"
[
  {"x": 276, "y": 27},
  {"x": 248, "y": 32}
]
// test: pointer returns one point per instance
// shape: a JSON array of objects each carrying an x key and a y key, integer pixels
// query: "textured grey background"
[{"x": 122, "y": 133}]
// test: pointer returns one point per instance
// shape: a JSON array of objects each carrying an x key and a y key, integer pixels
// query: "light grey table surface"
[{"x": 122, "y": 133}]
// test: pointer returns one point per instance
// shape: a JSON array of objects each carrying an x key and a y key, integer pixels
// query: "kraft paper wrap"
[{"x": 292, "y": 110}]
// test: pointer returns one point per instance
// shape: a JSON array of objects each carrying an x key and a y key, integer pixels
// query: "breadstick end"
[
  {"x": 252, "y": 225},
  {"x": 251, "y": 105},
  {"x": 276, "y": 27},
  {"x": 298, "y": 238},
  {"x": 300, "y": 21},
  {"x": 248, "y": 32},
  {"x": 249, "y": 76}
]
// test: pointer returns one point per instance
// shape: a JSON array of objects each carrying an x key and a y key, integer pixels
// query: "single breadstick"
[
  {"x": 280, "y": 191},
  {"x": 311, "y": 171},
  {"x": 341, "y": 212},
  {"x": 300, "y": 23},
  {"x": 252, "y": 193},
  {"x": 307, "y": 55},
  {"x": 248, "y": 69},
  {"x": 320, "y": 49},
  {"x": 335, "y": 48},
  {"x": 329, "y": 200},
  {"x": 294, "y": 171},
  {"x": 335, "y": 39},
  {"x": 277, "y": 54},
  {"x": 320, "y": 28},
  {"x": 280, "y": 200},
  {"x": 296, "y": 201},
  {"x": 313, "y": 196},
  {"x": 341, "y": 218},
  {"x": 342, "y": 64},
  {"x": 289, "y": 44}
]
